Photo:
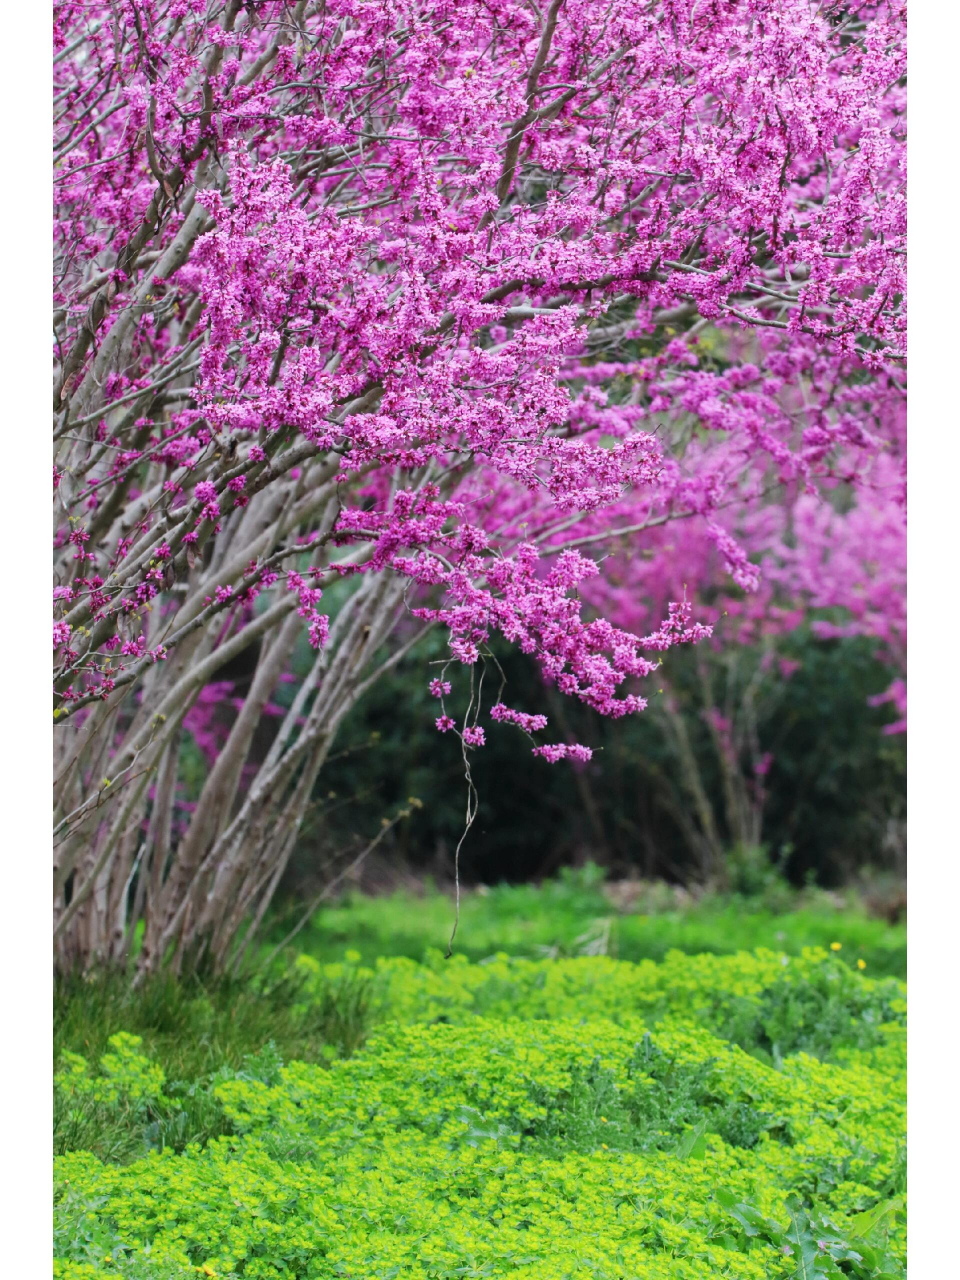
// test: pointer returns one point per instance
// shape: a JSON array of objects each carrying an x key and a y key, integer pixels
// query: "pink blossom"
[
  {"x": 623, "y": 377},
  {"x": 319, "y": 630},
  {"x": 564, "y": 751}
]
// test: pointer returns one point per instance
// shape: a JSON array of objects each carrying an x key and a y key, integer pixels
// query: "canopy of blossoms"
[{"x": 526, "y": 316}]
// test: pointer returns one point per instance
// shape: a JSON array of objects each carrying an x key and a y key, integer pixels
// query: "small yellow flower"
[
  {"x": 835, "y": 946},
  {"x": 603, "y": 1119},
  {"x": 605, "y": 1147},
  {"x": 861, "y": 964}
]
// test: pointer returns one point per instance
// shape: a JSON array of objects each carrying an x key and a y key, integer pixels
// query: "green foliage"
[
  {"x": 815, "y": 1011},
  {"x": 106, "y": 1113},
  {"x": 723, "y": 925},
  {"x": 769, "y": 1004},
  {"x": 574, "y": 1117},
  {"x": 658, "y": 1104},
  {"x": 820, "y": 1248},
  {"x": 571, "y": 915},
  {"x": 189, "y": 1034},
  {"x": 194, "y": 1028},
  {"x": 836, "y": 780},
  {"x": 127, "y": 1109}
]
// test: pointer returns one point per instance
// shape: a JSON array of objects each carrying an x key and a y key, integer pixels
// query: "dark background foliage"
[{"x": 834, "y": 807}]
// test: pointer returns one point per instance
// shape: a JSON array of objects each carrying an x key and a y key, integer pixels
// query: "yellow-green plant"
[{"x": 583, "y": 1119}]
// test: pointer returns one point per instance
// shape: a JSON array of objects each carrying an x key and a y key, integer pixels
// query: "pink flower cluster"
[
  {"x": 558, "y": 318},
  {"x": 529, "y": 723},
  {"x": 564, "y": 751}
]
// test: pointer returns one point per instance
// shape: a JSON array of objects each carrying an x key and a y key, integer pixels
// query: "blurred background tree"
[{"x": 770, "y": 761}]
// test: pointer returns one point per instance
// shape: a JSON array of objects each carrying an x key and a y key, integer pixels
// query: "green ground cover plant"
[
  {"x": 574, "y": 1117},
  {"x": 572, "y": 915}
]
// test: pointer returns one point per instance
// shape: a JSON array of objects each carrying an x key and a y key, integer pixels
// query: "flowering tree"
[
  {"x": 833, "y": 556},
  {"x": 470, "y": 304}
]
